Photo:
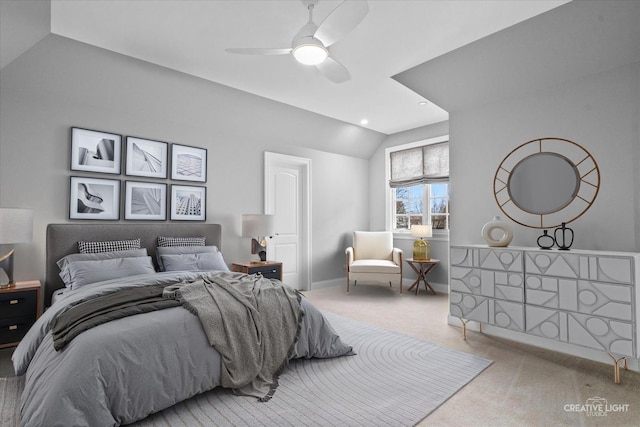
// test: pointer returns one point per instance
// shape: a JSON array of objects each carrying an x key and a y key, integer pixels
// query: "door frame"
[{"x": 304, "y": 205}]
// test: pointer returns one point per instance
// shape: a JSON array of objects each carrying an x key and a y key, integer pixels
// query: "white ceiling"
[{"x": 190, "y": 36}]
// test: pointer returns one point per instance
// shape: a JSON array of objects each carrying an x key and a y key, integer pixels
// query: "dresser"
[{"x": 578, "y": 298}]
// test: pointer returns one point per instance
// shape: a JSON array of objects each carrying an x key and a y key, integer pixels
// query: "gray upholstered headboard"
[{"x": 62, "y": 240}]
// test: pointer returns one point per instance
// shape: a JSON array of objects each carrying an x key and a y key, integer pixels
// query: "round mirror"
[{"x": 543, "y": 183}]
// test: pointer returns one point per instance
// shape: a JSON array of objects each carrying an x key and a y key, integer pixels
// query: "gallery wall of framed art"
[{"x": 149, "y": 163}]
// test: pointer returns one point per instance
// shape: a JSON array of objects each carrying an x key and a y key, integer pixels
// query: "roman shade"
[{"x": 420, "y": 165}]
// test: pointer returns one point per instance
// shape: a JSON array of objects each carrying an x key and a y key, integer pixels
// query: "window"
[
  {"x": 419, "y": 189},
  {"x": 421, "y": 204}
]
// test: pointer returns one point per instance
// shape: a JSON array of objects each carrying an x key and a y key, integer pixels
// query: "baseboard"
[
  {"x": 438, "y": 287},
  {"x": 328, "y": 284}
]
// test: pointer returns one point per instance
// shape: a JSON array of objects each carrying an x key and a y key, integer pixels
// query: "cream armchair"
[{"x": 373, "y": 257}]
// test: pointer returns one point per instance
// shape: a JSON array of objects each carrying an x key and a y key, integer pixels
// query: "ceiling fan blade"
[
  {"x": 258, "y": 51},
  {"x": 341, "y": 21},
  {"x": 334, "y": 71}
]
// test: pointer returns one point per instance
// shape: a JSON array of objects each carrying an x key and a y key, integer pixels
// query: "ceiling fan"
[{"x": 310, "y": 45}]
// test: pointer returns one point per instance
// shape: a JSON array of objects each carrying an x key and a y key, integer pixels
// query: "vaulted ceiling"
[{"x": 191, "y": 36}]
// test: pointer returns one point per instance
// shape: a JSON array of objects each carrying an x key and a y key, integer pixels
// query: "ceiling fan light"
[{"x": 310, "y": 52}]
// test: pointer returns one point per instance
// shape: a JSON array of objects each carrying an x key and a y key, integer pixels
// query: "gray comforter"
[{"x": 124, "y": 370}]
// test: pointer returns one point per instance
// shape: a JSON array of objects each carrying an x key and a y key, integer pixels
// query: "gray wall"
[
  {"x": 599, "y": 112},
  {"x": 22, "y": 24},
  {"x": 60, "y": 83},
  {"x": 379, "y": 188},
  {"x": 572, "y": 73}
]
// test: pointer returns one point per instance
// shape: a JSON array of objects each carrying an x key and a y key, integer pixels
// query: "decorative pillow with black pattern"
[
  {"x": 165, "y": 242},
  {"x": 108, "y": 246}
]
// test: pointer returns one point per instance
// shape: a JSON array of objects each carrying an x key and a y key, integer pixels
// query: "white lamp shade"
[
  {"x": 16, "y": 225},
  {"x": 256, "y": 225},
  {"x": 419, "y": 230}
]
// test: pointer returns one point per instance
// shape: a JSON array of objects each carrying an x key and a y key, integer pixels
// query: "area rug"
[{"x": 394, "y": 380}]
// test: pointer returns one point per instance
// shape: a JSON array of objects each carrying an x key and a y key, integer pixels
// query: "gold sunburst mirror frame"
[{"x": 546, "y": 182}]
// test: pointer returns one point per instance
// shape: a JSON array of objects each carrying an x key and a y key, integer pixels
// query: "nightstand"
[
  {"x": 269, "y": 269},
  {"x": 19, "y": 309}
]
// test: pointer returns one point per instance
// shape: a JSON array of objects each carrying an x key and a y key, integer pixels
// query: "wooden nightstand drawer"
[
  {"x": 13, "y": 304},
  {"x": 269, "y": 269},
  {"x": 13, "y": 329}
]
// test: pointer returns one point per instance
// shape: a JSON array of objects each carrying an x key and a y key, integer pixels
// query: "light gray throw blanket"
[{"x": 251, "y": 321}]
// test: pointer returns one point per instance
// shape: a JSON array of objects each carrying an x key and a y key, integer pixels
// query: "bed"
[{"x": 123, "y": 367}]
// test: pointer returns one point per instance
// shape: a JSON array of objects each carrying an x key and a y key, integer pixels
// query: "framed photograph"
[
  {"x": 188, "y": 203},
  {"x": 188, "y": 163},
  {"x": 145, "y": 200},
  {"x": 95, "y": 151},
  {"x": 94, "y": 198},
  {"x": 146, "y": 158}
]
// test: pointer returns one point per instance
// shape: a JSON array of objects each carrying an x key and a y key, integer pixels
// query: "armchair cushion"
[
  {"x": 374, "y": 266},
  {"x": 373, "y": 245}
]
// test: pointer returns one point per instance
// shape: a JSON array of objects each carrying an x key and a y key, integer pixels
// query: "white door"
[{"x": 287, "y": 196}]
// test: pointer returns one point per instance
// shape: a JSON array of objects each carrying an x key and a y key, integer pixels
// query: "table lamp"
[
  {"x": 16, "y": 226},
  {"x": 421, "y": 247},
  {"x": 258, "y": 227}
]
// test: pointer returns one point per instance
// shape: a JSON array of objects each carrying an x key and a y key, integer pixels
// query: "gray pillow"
[
  {"x": 130, "y": 253},
  {"x": 64, "y": 262},
  {"x": 179, "y": 250},
  {"x": 82, "y": 273},
  {"x": 194, "y": 262}
]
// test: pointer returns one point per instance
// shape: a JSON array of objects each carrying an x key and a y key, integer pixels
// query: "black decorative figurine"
[
  {"x": 545, "y": 241},
  {"x": 565, "y": 238}
]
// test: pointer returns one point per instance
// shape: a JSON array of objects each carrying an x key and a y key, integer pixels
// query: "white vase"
[{"x": 497, "y": 232}]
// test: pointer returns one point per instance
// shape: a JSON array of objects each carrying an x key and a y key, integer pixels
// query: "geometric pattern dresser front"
[
  {"x": 487, "y": 285},
  {"x": 583, "y": 299},
  {"x": 586, "y": 298}
]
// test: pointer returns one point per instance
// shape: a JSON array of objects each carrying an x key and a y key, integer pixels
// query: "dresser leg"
[
  {"x": 464, "y": 328},
  {"x": 616, "y": 367}
]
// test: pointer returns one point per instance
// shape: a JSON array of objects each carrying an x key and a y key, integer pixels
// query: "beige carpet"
[{"x": 525, "y": 386}]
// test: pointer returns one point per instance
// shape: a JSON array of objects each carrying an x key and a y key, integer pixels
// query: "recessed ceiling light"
[
  {"x": 422, "y": 103},
  {"x": 364, "y": 122}
]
